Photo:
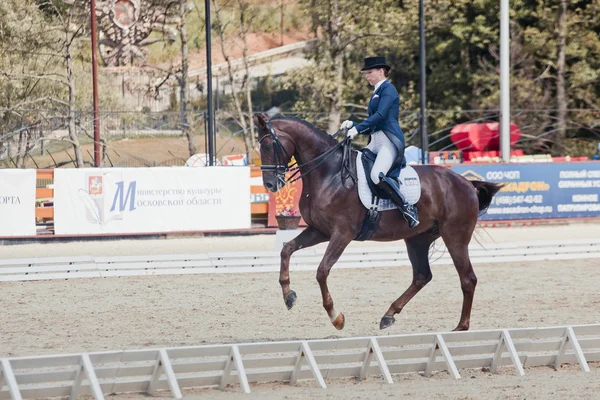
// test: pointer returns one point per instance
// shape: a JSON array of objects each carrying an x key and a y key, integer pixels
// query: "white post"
[
  {"x": 171, "y": 378},
  {"x": 304, "y": 352},
  {"x": 373, "y": 349},
  {"x": 569, "y": 337},
  {"x": 9, "y": 377},
  {"x": 505, "y": 341},
  {"x": 235, "y": 359},
  {"x": 92, "y": 378},
  {"x": 504, "y": 80},
  {"x": 239, "y": 365},
  {"x": 440, "y": 344}
]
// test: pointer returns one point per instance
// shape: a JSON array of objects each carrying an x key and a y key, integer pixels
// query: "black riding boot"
[{"x": 409, "y": 211}]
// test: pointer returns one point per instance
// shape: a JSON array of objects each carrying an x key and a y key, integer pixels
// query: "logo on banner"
[
  {"x": 122, "y": 201},
  {"x": 102, "y": 207},
  {"x": 472, "y": 176},
  {"x": 95, "y": 185}
]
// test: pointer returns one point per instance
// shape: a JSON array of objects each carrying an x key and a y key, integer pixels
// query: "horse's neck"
[{"x": 317, "y": 170}]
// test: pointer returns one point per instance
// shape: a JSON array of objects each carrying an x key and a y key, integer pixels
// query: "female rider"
[{"x": 386, "y": 138}]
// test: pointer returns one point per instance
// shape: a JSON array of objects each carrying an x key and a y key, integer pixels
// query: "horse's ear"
[{"x": 260, "y": 120}]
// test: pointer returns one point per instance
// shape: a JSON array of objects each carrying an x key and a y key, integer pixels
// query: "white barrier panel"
[
  {"x": 131, "y": 200},
  {"x": 35, "y": 269},
  {"x": 17, "y": 202},
  {"x": 154, "y": 371}
]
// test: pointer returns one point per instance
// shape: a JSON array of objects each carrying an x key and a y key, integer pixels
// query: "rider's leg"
[
  {"x": 386, "y": 154},
  {"x": 375, "y": 142},
  {"x": 385, "y": 158}
]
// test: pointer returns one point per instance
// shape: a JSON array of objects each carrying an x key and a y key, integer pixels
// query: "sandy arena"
[{"x": 85, "y": 315}]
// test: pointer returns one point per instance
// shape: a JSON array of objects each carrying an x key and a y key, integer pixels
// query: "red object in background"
[
  {"x": 470, "y": 137},
  {"x": 289, "y": 195},
  {"x": 475, "y": 139},
  {"x": 493, "y": 129}
]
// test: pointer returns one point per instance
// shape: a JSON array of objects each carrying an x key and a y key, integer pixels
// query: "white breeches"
[{"x": 386, "y": 154}]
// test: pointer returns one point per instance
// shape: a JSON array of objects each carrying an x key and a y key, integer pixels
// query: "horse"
[{"x": 449, "y": 207}]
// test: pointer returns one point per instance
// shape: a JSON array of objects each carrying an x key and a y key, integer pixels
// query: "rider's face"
[{"x": 374, "y": 75}]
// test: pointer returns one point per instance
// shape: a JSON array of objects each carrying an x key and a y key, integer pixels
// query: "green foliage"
[
  {"x": 462, "y": 62},
  {"x": 462, "y": 59}
]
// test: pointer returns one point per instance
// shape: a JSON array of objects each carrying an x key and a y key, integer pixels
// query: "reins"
[{"x": 280, "y": 169}]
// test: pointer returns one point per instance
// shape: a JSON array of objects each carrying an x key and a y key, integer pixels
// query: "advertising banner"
[
  {"x": 17, "y": 202},
  {"x": 561, "y": 190},
  {"x": 287, "y": 196},
  {"x": 132, "y": 200}
]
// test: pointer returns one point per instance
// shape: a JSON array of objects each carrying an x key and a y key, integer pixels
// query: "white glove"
[
  {"x": 347, "y": 124},
  {"x": 351, "y": 133}
]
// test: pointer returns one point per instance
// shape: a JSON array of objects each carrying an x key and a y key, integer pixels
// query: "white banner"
[
  {"x": 131, "y": 200},
  {"x": 17, "y": 202}
]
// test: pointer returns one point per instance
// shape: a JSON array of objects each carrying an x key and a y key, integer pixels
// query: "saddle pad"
[{"x": 410, "y": 187}]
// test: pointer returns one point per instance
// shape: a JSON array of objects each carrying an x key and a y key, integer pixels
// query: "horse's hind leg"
[
  {"x": 418, "y": 253},
  {"x": 308, "y": 237},
  {"x": 460, "y": 256},
  {"x": 457, "y": 243}
]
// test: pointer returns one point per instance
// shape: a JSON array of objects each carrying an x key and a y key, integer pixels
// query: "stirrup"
[{"x": 409, "y": 217}]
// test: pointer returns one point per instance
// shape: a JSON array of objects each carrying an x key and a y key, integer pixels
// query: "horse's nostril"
[{"x": 268, "y": 186}]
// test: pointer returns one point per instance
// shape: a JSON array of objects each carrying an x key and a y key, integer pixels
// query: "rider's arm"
[{"x": 386, "y": 100}]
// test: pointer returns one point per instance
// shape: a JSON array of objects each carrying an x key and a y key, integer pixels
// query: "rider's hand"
[
  {"x": 347, "y": 124},
  {"x": 351, "y": 133}
]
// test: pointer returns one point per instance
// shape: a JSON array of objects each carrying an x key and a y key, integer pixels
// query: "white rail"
[
  {"x": 267, "y": 261},
  {"x": 174, "y": 369}
]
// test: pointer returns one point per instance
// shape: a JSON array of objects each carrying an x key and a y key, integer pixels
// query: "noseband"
[{"x": 281, "y": 157}]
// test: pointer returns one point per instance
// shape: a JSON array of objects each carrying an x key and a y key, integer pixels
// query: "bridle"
[{"x": 281, "y": 158}]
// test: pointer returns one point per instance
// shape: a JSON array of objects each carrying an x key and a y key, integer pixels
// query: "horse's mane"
[{"x": 310, "y": 126}]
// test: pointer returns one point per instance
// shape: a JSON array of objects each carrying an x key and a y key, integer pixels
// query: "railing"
[
  {"x": 174, "y": 369},
  {"x": 33, "y": 269}
]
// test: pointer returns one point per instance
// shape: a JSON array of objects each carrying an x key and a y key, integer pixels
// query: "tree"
[
  {"x": 346, "y": 31},
  {"x": 563, "y": 39},
  {"x": 244, "y": 22},
  {"x": 42, "y": 52},
  {"x": 183, "y": 81}
]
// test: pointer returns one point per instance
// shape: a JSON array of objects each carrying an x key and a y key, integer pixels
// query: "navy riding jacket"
[{"x": 383, "y": 109}]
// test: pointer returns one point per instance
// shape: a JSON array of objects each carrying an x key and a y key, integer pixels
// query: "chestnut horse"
[{"x": 448, "y": 208}]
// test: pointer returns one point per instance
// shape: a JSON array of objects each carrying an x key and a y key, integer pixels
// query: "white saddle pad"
[{"x": 410, "y": 186}]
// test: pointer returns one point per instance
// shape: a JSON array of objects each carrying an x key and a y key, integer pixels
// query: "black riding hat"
[{"x": 375, "y": 62}]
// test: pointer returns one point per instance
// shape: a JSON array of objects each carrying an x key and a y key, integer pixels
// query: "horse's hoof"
[
  {"x": 290, "y": 299},
  {"x": 386, "y": 322},
  {"x": 339, "y": 322}
]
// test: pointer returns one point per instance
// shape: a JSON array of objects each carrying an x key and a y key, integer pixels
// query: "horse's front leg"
[
  {"x": 308, "y": 237},
  {"x": 334, "y": 250}
]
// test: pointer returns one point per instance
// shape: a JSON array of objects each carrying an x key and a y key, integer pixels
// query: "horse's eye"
[{"x": 267, "y": 146}]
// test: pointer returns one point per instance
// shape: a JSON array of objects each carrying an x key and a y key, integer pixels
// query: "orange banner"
[{"x": 289, "y": 195}]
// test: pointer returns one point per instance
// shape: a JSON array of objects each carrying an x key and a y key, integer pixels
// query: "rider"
[{"x": 386, "y": 138}]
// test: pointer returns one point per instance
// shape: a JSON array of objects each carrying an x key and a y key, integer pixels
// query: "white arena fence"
[
  {"x": 174, "y": 369},
  {"x": 268, "y": 261}
]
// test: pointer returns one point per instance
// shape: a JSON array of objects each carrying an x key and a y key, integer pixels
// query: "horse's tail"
[{"x": 485, "y": 193}]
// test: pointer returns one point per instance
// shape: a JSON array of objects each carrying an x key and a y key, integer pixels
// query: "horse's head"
[{"x": 276, "y": 150}]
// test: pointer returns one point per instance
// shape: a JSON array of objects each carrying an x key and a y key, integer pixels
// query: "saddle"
[
  {"x": 405, "y": 179},
  {"x": 368, "y": 159},
  {"x": 374, "y": 199}
]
